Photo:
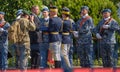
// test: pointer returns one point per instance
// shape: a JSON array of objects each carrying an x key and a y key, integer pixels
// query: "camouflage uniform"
[
  {"x": 3, "y": 44},
  {"x": 108, "y": 40},
  {"x": 23, "y": 42},
  {"x": 85, "y": 47}
]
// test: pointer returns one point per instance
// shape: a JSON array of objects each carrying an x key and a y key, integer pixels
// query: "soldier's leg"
[
  {"x": 23, "y": 57},
  {"x": 44, "y": 54},
  {"x": 81, "y": 55},
  {"x": 0, "y": 59},
  {"x": 4, "y": 57},
  {"x": 103, "y": 53},
  {"x": 55, "y": 48},
  {"x": 71, "y": 55},
  {"x": 89, "y": 57},
  {"x": 35, "y": 56},
  {"x": 65, "y": 53},
  {"x": 32, "y": 56},
  {"x": 110, "y": 52}
]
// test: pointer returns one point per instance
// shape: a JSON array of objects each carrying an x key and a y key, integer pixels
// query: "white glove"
[
  {"x": 75, "y": 33},
  {"x": 106, "y": 26},
  {"x": 1, "y": 29},
  {"x": 98, "y": 36}
]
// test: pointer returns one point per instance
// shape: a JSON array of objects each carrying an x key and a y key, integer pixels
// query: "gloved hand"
[
  {"x": 1, "y": 29},
  {"x": 98, "y": 36},
  {"x": 75, "y": 33},
  {"x": 106, "y": 26}
]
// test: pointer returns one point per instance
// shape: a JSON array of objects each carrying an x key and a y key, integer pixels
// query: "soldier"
[
  {"x": 55, "y": 24},
  {"x": 105, "y": 32},
  {"x": 3, "y": 42},
  {"x": 85, "y": 46},
  {"x": 45, "y": 37},
  {"x": 21, "y": 31},
  {"x": 35, "y": 39},
  {"x": 11, "y": 36},
  {"x": 66, "y": 38}
]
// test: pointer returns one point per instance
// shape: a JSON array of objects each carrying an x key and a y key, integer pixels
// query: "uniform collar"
[
  {"x": 2, "y": 20},
  {"x": 85, "y": 16},
  {"x": 46, "y": 18},
  {"x": 107, "y": 18}
]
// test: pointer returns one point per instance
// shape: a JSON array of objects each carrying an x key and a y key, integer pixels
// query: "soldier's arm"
[
  {"x": 5, "y": 28},
  {"x": 114, "y": 26},
  {"x": 31, "y": 26}
]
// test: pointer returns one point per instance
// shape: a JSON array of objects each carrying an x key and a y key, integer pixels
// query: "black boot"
[{"x": 57, "y": 64}]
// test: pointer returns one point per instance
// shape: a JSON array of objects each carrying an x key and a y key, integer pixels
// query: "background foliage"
[{"x": 11, "y": 6}]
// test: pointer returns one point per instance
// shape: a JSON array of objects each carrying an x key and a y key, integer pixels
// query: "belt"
[
  {"x": 54, "y": 33},
  {"x": 45, "y": 33},
  {"x": 65, "y": 33}
]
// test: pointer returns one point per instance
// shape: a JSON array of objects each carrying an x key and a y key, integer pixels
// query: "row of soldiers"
[{"x": 37, "y": 37}]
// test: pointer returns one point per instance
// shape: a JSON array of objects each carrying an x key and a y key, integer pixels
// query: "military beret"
[
  {"x": 65, "y": 10},
  {"x": 85, "y": 7},
  {"x": 3, "y": 13},
  {"x": 45, "y": 9},
  {"x": 106, "y": 10},
  {"x": 19, "y": 12},
  {"x": 53, "y": 8},
  {"x": 26, "y": 12}
]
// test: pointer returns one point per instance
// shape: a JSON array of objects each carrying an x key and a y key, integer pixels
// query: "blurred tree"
[
  {"x": 11, "y": 6},
  {"x": 95, "y": 6}
]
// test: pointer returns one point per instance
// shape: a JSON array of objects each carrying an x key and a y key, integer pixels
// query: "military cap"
[
  {"x": 106, "y": 10},
  {"x": 65, "y": 10},
  {"x": 85, "y": 7},
  {"x": 53, "y": 8},
  {"x": 26, "y": 12},
  {"x": 3, "y": 13},
  {"x": 45, "y": 9},
  {"x": 19, "y": 12}
]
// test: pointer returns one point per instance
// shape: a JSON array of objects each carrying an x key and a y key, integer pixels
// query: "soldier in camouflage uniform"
[
  {"x": 22, "y": 41},
  {"x": 105, "y": 32},
  {"x": 3, "y": 42},
  {"x": 11, "y": 37},
  {"x": 45, "y": 37},
  {"x": 84, "y": 28}
]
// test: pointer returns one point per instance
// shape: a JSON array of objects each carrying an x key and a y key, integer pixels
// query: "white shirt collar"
[
  {"x": 2, "y": 21},
  {"x": 85, "y": 16},
  {"x": 46, "y": 18},
  {"x": 107, "y": 18}
]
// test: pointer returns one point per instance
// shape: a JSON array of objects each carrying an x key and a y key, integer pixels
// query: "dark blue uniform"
[{"x": 55, "y": 25}]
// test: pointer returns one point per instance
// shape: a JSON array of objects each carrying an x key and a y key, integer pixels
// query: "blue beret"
[
  {"x": 85, "y": 7},
  {"x": 2, "y": 13},
  {"x": 19, "y": 12},
  {"x": 106, "y": 10},
  {"x": 45, "y": 9}
]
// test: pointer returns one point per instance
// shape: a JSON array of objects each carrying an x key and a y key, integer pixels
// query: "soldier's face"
[
  {"x": 84, "y": 11},
  {"x": 106, "y": 14},
  {"x": 45, "y": 14},
  {"x": 36, "y": 10},
  {"x": 1, "y": 16},
  {"x": 63, "y": 16}
]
